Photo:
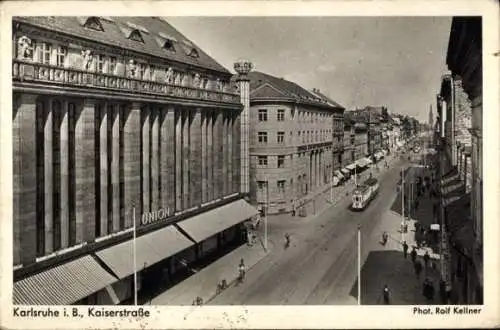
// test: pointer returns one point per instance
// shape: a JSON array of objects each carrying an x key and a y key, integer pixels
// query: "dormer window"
[
  {"x": 189, "y": 49},
  {"x": 91, "y": 22},
  {"x": 136, "y": 35},
  {"x": 166, "y": 42}
]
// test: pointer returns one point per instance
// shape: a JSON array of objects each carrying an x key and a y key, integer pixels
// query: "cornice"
[{"x": 39, "y": 88}]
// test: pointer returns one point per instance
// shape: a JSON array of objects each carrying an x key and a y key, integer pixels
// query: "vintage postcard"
[{"x": 272, "y": 164}]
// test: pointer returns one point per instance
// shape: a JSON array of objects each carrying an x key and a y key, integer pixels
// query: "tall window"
[
  {"x": 142, "y": 70},
  {"x": 261, "y": 185},
  {"x": 262, "y": 114},
  {"x": 100, "y": 64},
  {"x": 262, "y": 137},
  {"x": 262, "y": 160},
  {"x": 281, "y": 161},
  {"x": 281, "y": 186},
  {"x": 62, "y": 52},
  {"x": 112, "y": 65},
  {"x": 281, "y": 115},
  {"x": 281, "y": 137},
  {"x": 44, "y": 51}
]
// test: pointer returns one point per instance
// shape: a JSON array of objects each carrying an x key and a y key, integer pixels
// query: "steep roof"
[
  {"x": 327, "y": 99},
  {"x": 263, "y": 85},
  {"x": 116, "y": 32}
]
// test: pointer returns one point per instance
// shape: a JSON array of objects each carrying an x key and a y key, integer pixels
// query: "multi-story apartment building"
[
  {"x": 360, "y": 141},
  {"x": 459, "y": 139},
  {"x": 116, "y": 120},
  {"x": 371, "y": 116},
  {"x": 349, "y": 154},
  {"x": 338, "y": 131},
  {"x": 290, "y": 141}
]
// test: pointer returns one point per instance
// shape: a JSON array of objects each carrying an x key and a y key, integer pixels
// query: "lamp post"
[
  {"x": 135, "y": 255},
  {"x": 359, "y": 264},
  {"x": 265, "y": 215}
]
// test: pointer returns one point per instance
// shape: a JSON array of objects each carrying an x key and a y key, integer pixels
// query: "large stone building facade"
[
  {"x": 290, "y": 142},
  {"x": 116, "y": 119},
  {"x": 459, "y": 125}
]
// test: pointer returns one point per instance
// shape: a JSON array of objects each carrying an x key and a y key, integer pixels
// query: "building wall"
[
  {"x": 361, "y": 144},
  {"x": 348, "y": 153},
  {"x": 338, "y": 140},
  {"x": 83, "y": 161},
  {"x": 304, "y": 155}
]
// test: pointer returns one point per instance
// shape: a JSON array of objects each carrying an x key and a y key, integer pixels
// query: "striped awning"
[
  {"x": 207, "y": 224},
  {"x": 338, "y": 174},
  {"x": 345, "y": 171},
  {"x": 64, "y": 284},
  {"x": 150, "y": 249}
]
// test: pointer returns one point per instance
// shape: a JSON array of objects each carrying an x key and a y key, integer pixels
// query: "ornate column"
[
  {"x": 178, "y": 160},
  {"x": 230, "y": 153},
  {"x": 155, "y": 159},
  {"x": 131, "y": 161},
  {"x": 116, "y": 125},
  {"x": 243, "y": 67},
  {"x": 64, "y": 176},
  {"x": 186, "y": 157},
  {"x": 168, "y": 171},
  {"x": 204, "y": 168},
  {"x": 85, "y": 171},
  {"x": 48, "y": 177},
  {"x": 104, "y": 170},
  {"x": 195, "y": 166},
  {"x": 145, "y": 162},
  {"x": 24, "y": 177},
  {"x": 210, "y": 156}
]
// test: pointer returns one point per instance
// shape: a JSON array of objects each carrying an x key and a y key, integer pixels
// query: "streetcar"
[{"x": 364, "y": 194}]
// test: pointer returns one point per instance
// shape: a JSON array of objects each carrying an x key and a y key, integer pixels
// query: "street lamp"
[{"x": 359, "y": 264}]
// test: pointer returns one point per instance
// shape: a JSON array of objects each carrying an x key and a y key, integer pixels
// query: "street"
[{"x": 320, "y": 266}]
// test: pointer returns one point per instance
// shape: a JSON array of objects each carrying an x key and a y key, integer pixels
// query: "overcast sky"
[{"x": 392, "y": 61}]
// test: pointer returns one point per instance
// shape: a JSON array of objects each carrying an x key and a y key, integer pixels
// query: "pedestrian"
[
  {"x": 413, "y": 255},
  {"x": 293, "y": 210},
  {"x": 427, "y": 257},
  {"x": 405, "y": 249},
  {"x": 386, "y": 295},
  {"x": 418, "y": 268}
]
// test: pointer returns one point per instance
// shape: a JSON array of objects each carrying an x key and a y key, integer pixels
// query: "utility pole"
[{"x": 265, "y": 215}]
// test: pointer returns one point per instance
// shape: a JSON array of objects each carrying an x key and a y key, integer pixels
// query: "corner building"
[
  {"x": 116, "y": 119},
  {"x": 291, "y": 132}
]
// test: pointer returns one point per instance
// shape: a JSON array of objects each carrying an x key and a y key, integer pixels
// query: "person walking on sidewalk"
[
  {"x": 386, "y": 295},
  {"x": 413, "y": 255},
  {"x": 405, "y": 249},
  {"x": 241, "y": 271},
  {"x": 418, "y": 268},
  {"x": 427, "y": 257},
  {"x": 428, "y": 290}
]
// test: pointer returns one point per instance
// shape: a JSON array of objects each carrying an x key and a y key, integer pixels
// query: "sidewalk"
[
  {"x": 386, "y": 265},
  {"x": 204, "y": 283}
]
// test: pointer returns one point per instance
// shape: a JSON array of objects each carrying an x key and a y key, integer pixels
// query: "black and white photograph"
[{"x": 252, "y": 160}]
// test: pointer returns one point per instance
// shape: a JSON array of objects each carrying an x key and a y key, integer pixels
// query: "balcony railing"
[{"x": 31, "y": 71}]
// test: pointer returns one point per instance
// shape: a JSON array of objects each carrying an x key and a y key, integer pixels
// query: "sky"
[{"x": 357, "y": 61}]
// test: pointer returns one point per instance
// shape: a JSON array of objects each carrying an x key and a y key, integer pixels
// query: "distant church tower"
[{"x": 431, "y": 118}]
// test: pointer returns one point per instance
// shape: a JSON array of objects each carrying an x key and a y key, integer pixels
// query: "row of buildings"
[
  {"x": 458, "y": 138},
  {"x": 122, "y": 125}
]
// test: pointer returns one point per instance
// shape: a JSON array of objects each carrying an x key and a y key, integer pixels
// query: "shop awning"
[
  {"x": 459, "y": 224},
  {"x": 64, "y": 284},
  {"x": 345, "y": 171},
  {"x": 150, "y": 249},
  {"x": 351, "y": 167},
  {"x": 368, "y": 161},
  {"x": 452, "y": 188},
  {"x": 338, "y": 174},
  {"x": 207, "y": 224}
]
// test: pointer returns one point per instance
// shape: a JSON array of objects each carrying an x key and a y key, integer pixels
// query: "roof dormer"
[
  {"x": 166, "y": 41},
  {"x": 189, "y": 49},
  {"x": 91, "y": 22}
]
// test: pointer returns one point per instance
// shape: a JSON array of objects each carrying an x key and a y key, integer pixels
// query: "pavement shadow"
[{"x": 392, "y": 269}]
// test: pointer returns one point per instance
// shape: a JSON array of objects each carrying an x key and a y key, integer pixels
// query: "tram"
[{"x": 364, "y": 194}]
